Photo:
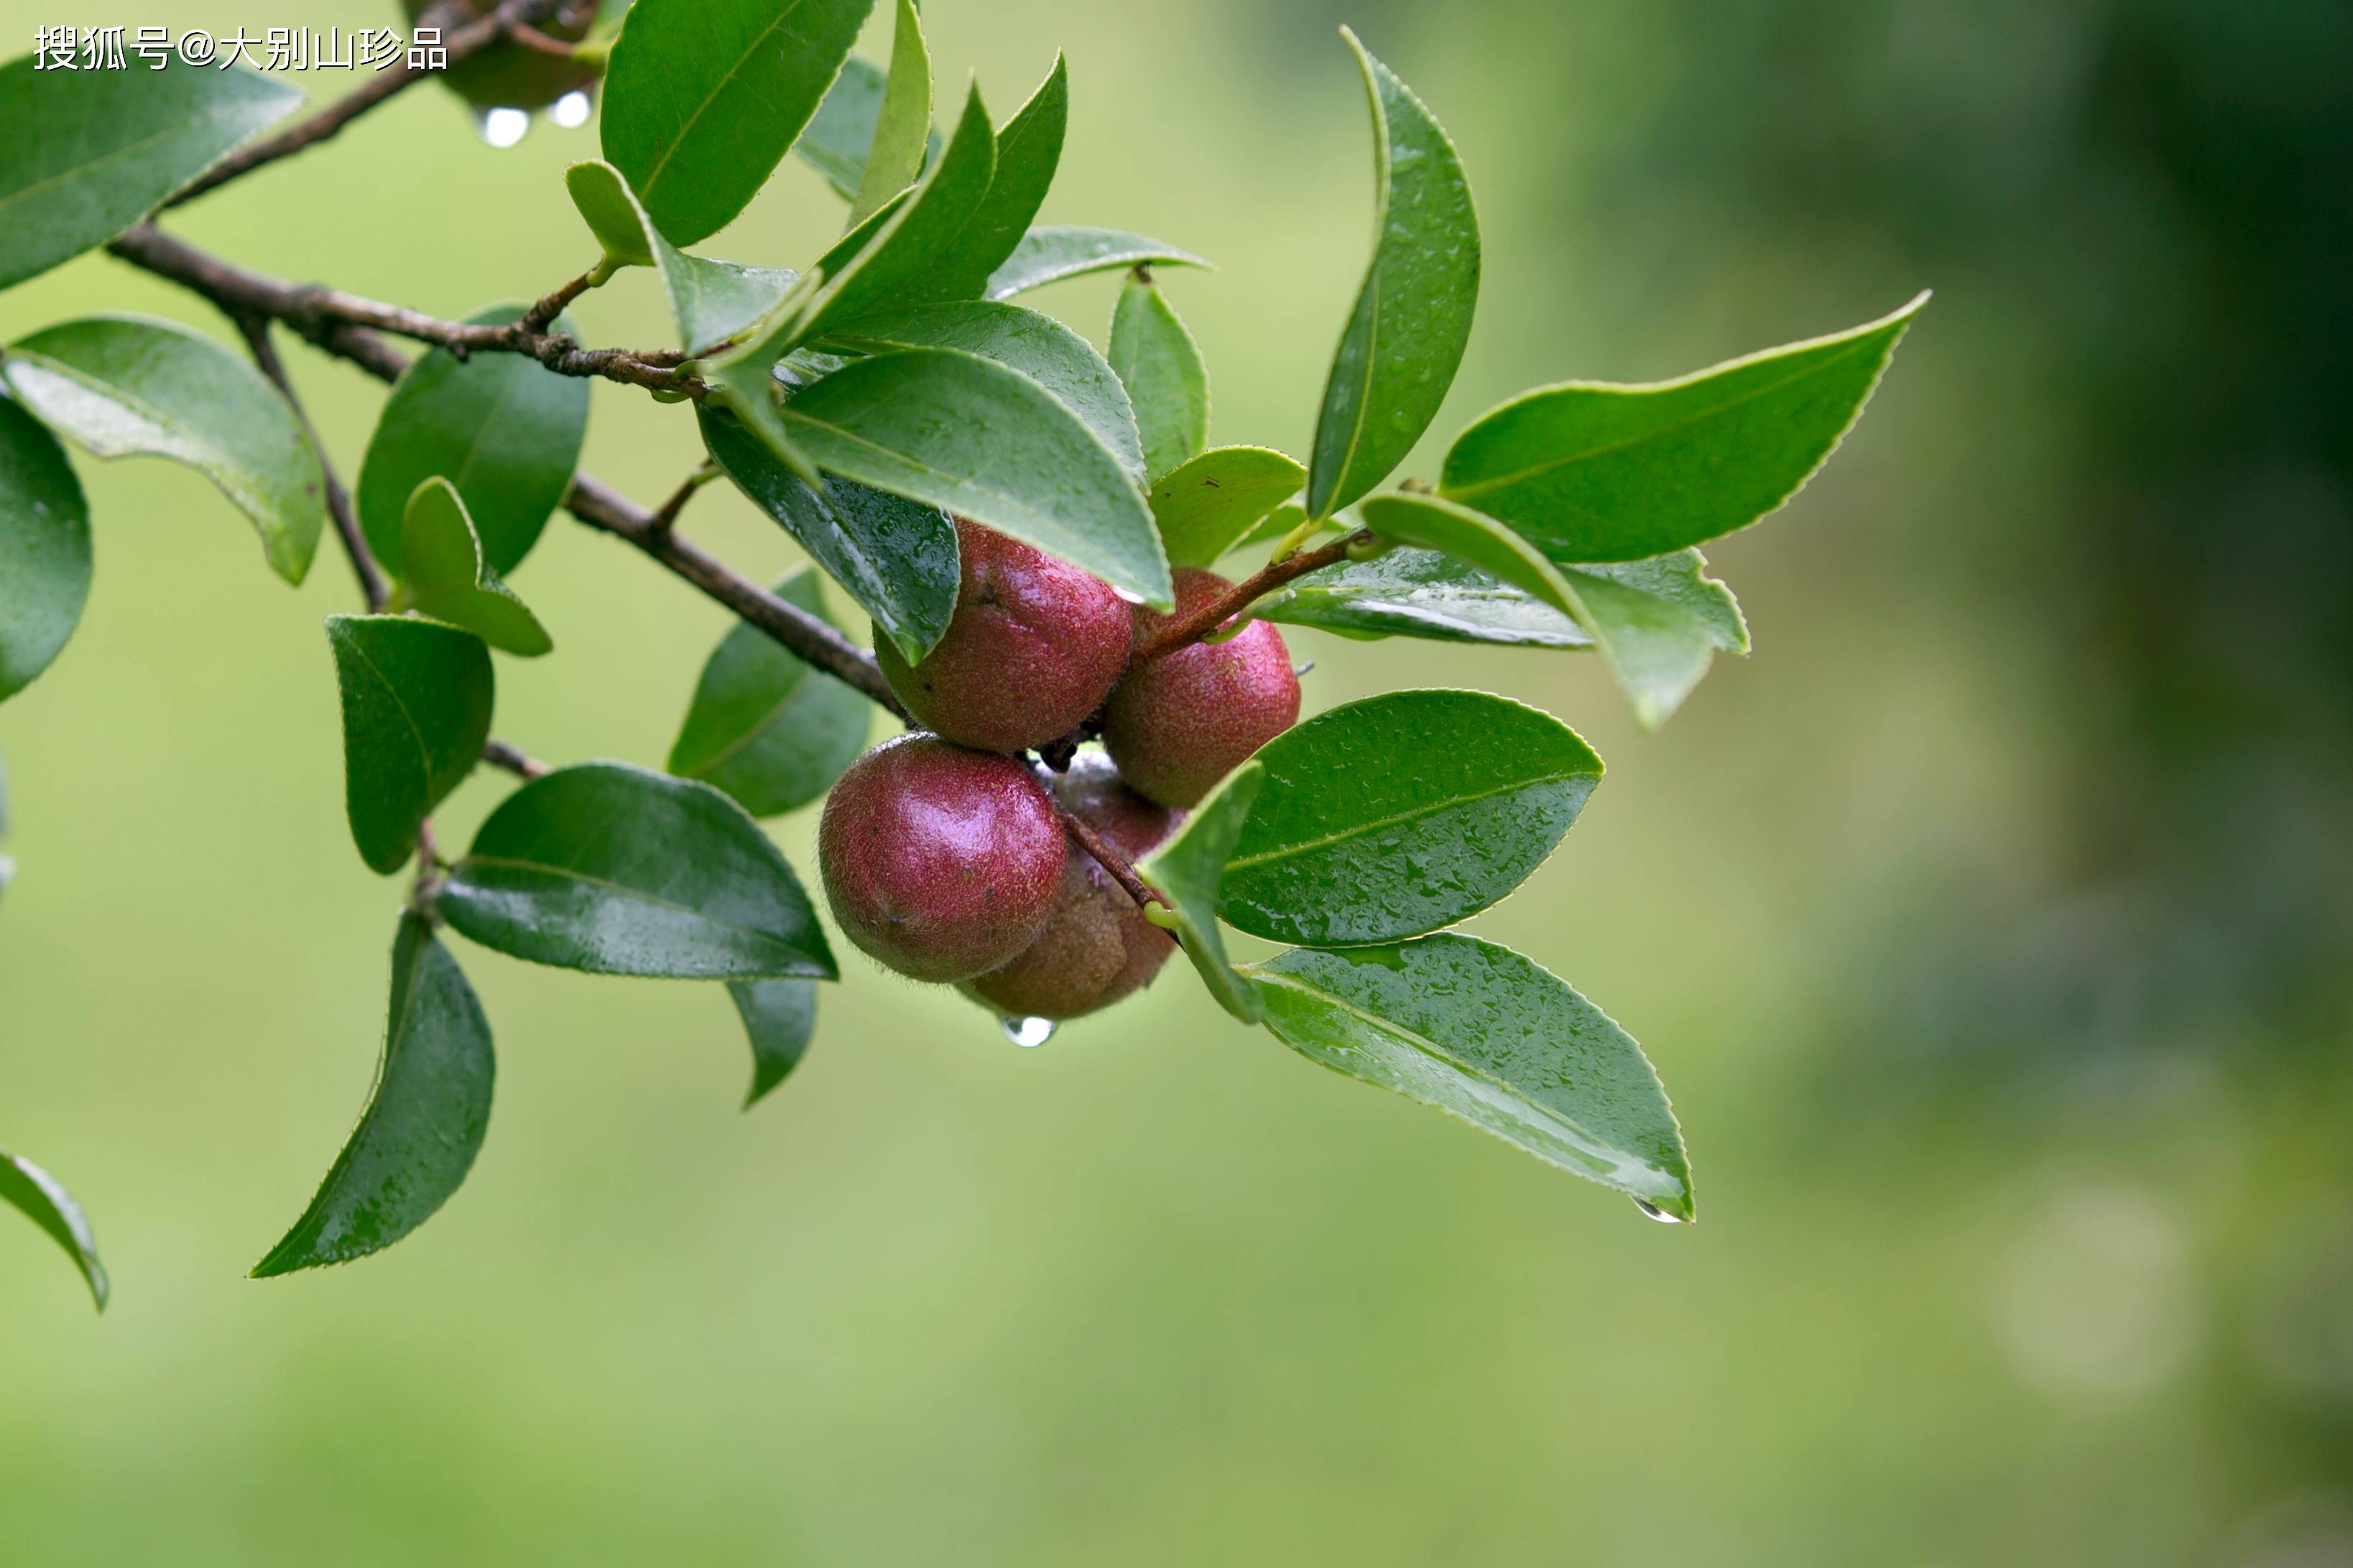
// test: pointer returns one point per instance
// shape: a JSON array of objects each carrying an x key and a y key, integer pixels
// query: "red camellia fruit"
[
  {"x": 941, "y": 862},
  {"x": 1034, "y": 644},
  {"x": 1097, "y": 947},
  {"x": 1178, "y": 723}
]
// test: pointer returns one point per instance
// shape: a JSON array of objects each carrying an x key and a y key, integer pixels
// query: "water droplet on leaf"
[
  {"x": 1028, "y": 1033},
  {"x": 505, "y": 127},
  {"x": 570, "y": 111},
  {"x": 1656, "y": 1213}
]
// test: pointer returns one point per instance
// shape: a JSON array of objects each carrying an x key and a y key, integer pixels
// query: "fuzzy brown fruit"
[
  {"x": 1097, "y": 948},
  {"x": 1178, "y": 723},
  {"x": 943, "y": 863},
  {"x": 1032, "y": 648}
]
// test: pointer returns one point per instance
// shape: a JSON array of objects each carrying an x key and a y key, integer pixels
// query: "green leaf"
[
  {"x": 1494, "y": 1038},
  {"x": 85, "y": 154},
  {"x": 450, "y": 580},
  {"x": 1591, "y": 471},
  {"x": 417, "y": 702},
  {"x": 1420, "y": 594},
  {"x": 779, "y": 1016},
  {"x": 1209, "y": 505},
  {"x": 711, "y": 300},
  {"x": 44, "y": 548},
  {"x": 1184, "y": 872},
  {"x": 1161, "y": 367},
  {"x": 125, "y": 385},
  {"x": 903, "y": 124},
  {"x": 1035, "y": 344},
  {"x": 614, "y": 871},
  {"x": 503, "y": 428},
  {"x": 1413, "y": 317},
  {"x": 897, "y": 558},
  {"x": 987, "y": 443},
  {"x": 1434, "y": 524},
  {"x": 1028, "y": 148},
  {"x": 765, "y": 727},
  {"x": 842, "y": 131},
  {"x": 426, "y": 1116},
  {"x": 1052, "y": 252},
  {"x": 44, "y": 1200},
  {"x": 1659, "y": 624},
  {"x": 1396, "y": 815},
  {"x": 702, "y": 97}
]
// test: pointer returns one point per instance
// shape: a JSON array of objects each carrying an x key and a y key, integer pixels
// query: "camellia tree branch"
[{"x": 1104, "y": 762}]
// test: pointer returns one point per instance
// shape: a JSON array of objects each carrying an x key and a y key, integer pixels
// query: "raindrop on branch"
[
  {"x": 505, "y": 127},
  {"x": 1028, "y": 1033}
]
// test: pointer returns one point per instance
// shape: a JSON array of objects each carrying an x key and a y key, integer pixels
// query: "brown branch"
[
  {"x": 318, "y": 313},
  {"x": 514, "y": 759},
  {"x": 813, "y": 639},
  {"x": 311, "y": 130},
  {"x": 810, "y": 637},
  {"x": 554, "y": 302},
  {"x": 339, "y": 500},
  {"x": 531, "y": 38},
  {"x": 1111, "y": 860},
  {"x": 1183, "y": 630}
]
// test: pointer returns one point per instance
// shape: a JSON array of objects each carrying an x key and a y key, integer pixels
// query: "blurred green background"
[{"x": 1990, "y": 927}]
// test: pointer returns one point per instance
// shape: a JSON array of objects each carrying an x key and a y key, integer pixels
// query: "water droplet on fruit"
[
  {"x": 505, "y": 127},
  {"x": 1126, "y": 597},
  {"x": 1656, "y": 1213},
  {"x": 1028, "y": 1033},
  {"x": 570, "y": 111}
]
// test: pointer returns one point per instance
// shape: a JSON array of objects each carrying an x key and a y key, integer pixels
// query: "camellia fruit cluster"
[{"x": 943, "y": 852}]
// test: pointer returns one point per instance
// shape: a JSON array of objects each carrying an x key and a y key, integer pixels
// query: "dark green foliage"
[
  {"x": 417, "y": 700},
  {"x": 764, "y": 726},
  {"x": 44, "y": 548},
  {"x": 424, "y": 1118},
  {"x": 779, "y": 1016},
  {"x": 614, "y": 871},
  {"x": 43, "y": 1199}
]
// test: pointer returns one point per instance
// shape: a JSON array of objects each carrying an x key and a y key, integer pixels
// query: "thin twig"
[
  {"x": 314, "y": 311},
  {"x": 311, "y": 130},
  {"x": 666, "y": 515},
  {"x": 1111, "y": 860},
  {"x": 815, "y": 640},
  {"x": 1180, "y": 631},
  {"x": 339, "y": 500},
  {"x": 812, "y": 638},
  {"x": 553, "y": 304},
  {"x": 513, "y": 759},
  {"x": 531, "y": 38}
]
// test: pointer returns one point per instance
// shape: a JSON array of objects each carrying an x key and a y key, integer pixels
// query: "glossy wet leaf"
[
  {"x": 448, "y": 579},
  {"x": 709, "y": 300},
  {"x": 1421, "y": 593},
  {"x": 1206, "y": 506},
  {"x": 1593, "y": 472},
  {"x": 779, "y": 1016},
  {"x": 86, "y": 154},
  {"x": 44, "y": 557},
  {"x": 1052, "y": 252},
  {"x": 1184, "y": 871},
  {"x": 902, "y": 123},
  {"x": 1493, "y": 1037},
  {"x": 1396, "y": 815},
  {"x": 43, "y": 1199},
  {"x": 1658, "y": 623},
  {"x": 126, "y": 385},
  {"x": 1405, "y": 336},
  {"x": 702, "y": 97},
  {"x": 1434, "y": 524},
  {"x": 505, "y": 429},
  {"x": 615, "y": 871},
  {"x": 838, "y": 139},
  {"x": 416, "y": 699},
  {"x": 1029, "y": 150},
  {"x": 1030, "y": 342},
  {"x": 897, "y": 558},
  {"x": 1166, "y": 379},
  {"x": 987, "y": 443},
  {"x": 765, "y": 727},
  {"x": 424, "y": 1118}
]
